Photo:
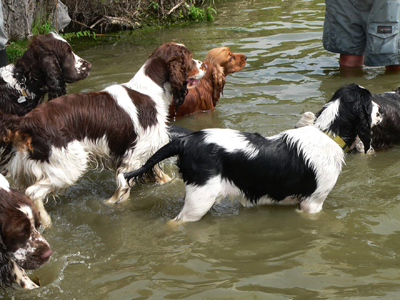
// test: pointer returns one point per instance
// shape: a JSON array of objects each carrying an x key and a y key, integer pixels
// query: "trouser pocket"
[
  {"x": 383, "y": 38},
  {"x": 383, "y": 28}
]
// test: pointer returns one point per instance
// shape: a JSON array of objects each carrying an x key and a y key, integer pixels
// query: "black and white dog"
[
  {"x": 296, "y": 166},
  {"x": 386, "y": 133}
]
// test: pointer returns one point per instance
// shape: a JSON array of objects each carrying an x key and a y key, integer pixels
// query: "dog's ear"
[
  {"x": 363, "y": 126},
  {"x": 6, "y": 266},
  {"x": 218, "y": 81},
  {"x": 54, "y": 76},
  {"x": 177, "y": 79}
]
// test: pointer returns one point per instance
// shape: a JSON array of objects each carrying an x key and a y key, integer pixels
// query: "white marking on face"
[
  {"x": 28, "y": 212},
  {"x": 231, "y": 140},
  {"x": 22, "y": 253},
  {"x": 58, "y": 37},
  {"x": 375, "y": 115},
  {"x": 202, "y": 71},
  {"x": 78, "y": 62}
]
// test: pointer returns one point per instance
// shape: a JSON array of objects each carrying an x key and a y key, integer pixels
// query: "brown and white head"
[
  {"x": 22, "y": 247},
  {"x": 184, "y": 72}
]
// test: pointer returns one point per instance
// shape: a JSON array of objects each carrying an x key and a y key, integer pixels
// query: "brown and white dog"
[
  {"x": 46, "y": 67},
  {"x": 119, "y": 127},
  {"x": 220, "y": 63},
  {"x": 21, "y": 245}
]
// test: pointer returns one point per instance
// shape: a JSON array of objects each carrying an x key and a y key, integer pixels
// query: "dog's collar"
[
  {"x": 21, "y": 86},
  {"x": 338, "y": 141}
]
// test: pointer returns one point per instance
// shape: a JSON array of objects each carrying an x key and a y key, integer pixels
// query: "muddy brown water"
[{"x": 349, "y": 250}]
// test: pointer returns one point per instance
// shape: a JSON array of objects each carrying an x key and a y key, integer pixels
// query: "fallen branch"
[
  {"x": 115, "y": 21},
  {"x": 82, "y": 24},
  {"x": 175, "y": 7}
]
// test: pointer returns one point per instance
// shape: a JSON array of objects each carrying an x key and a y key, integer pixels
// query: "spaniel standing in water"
[
  {"x": 295, "y": 166},
  {"x": 386, "y": 133},
  {"x": 120, "y": 127},
  {"x": 21, "y": 245},
  {"x": 220, "y": 63},
  {"x": 45, "y": 67}
]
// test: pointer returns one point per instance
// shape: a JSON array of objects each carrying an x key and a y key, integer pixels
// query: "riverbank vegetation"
[{"x": 102, "y": 21}]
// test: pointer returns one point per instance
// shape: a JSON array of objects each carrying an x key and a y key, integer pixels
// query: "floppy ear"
[
  {"x": 363, "y": 127},
  {"x": 218, "y": 80},
  {"x": 54, "y": 76},
  {"x": 6, "y": 266},
  {"x": 177, "y": 79}
]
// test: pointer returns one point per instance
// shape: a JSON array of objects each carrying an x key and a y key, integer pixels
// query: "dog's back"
[{"x": 284, "y": 169}]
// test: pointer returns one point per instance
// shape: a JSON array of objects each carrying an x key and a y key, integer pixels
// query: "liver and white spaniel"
[
  {"x": 45, "y": 67},
  {"x": 220, "y": 63},
  {"x": 21, "y": 245},
  {"x": 120, "y": 127},
  {"x": 296, "y": 166}
]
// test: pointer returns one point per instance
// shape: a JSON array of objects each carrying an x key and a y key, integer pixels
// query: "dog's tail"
[{"x": 173, "y": 148}]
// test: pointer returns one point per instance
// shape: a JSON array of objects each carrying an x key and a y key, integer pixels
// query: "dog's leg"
[
  {"x": 313, "y": 204},
  {"x": 122, "y": 192},
  {"x": 198, "y": 201},
  {"x": 22, "y": 279},
  {"x": 161, "y": 177},
  {"x": 37, "y": 193}
]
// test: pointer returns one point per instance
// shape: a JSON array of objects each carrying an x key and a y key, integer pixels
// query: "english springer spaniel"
[
  {"x": 45, "y": 67},
  {"x": 21, "y": 245},
  {"x": 386, "y": 133},
  {"x": 295, "y": 166},
  {"x": 120, "y": 127}
]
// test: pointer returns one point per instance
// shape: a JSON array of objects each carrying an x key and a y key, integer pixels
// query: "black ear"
[
  {"x": 177, "y": 79},
  {"x": 54, "y": 76},
  {"x": 363, "y": 126},
  {"x": 6, "y": 267}
]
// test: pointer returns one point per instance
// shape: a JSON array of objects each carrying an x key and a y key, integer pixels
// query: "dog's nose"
[
  {"x": 88, "y": 65},
  {"x": 245, "y": 58},
  {"x": 47, "y": 254}
]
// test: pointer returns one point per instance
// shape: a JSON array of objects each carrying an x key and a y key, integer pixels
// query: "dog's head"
[
  {"x": 50, "y": 62},
  {"x": 349, "y": 113},
  {"x": 21, "y": 245},
  {"x": 228, "y": 61},
  {"x": 184, "y": 72}
]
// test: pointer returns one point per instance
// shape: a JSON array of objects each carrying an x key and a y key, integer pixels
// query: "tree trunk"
[{"x": 20, "y": 16}]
